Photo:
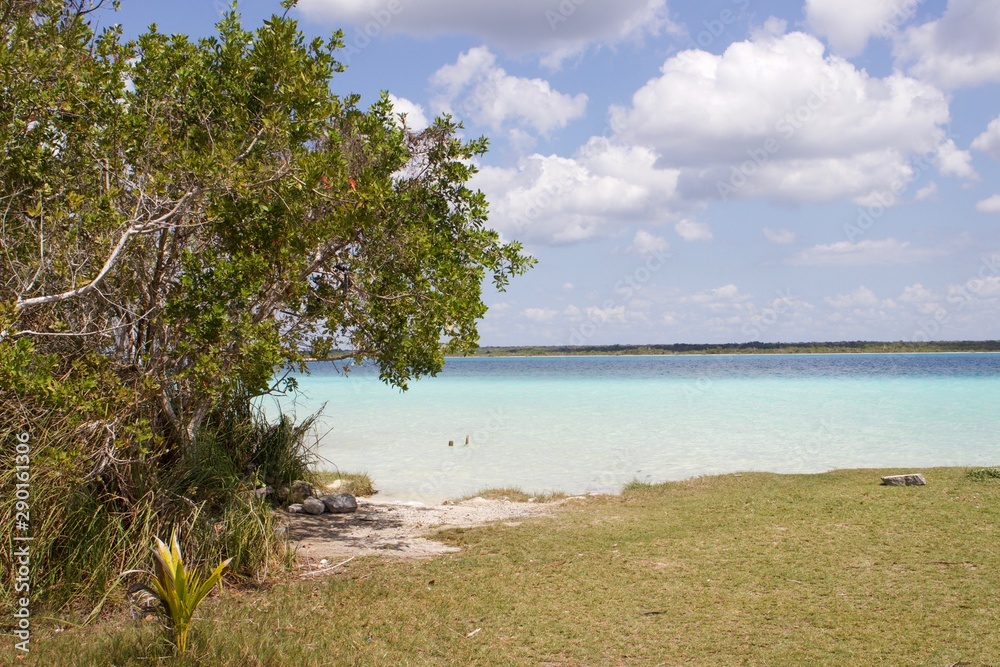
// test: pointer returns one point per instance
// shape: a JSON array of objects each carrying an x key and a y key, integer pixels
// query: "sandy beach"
[{"x": 393, "y": 529}]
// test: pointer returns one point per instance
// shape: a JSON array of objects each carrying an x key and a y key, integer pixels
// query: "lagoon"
[{"x": 587, "y": 424}]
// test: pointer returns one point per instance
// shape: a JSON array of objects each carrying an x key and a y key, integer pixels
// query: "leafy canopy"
[{"x": 182, "y": 218}]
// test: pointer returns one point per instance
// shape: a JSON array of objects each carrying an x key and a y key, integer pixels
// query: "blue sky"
[{"x": 704, "y": 171}]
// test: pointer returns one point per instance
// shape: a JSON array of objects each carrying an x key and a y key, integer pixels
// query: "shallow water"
[{"x": 592, "y": 424}]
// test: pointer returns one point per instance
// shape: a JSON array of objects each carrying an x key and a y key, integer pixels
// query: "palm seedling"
[{"x": 178, "y": 589}]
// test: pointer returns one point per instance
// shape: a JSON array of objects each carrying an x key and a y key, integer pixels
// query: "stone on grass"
[
  {"x": 295, "y": 508},
  {"x": 313, "y": 506},
  {"x": 300, "y": 491},
  {"x": 340, "y": 503},
  {"x": 914, "y": 479}
]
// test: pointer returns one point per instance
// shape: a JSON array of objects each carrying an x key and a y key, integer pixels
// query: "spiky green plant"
[{"x": 180, "y": 590}]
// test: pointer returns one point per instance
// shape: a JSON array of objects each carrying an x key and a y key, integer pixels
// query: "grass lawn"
[{"x": 751, "y": 569}]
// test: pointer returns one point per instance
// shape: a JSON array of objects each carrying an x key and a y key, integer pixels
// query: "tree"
[{"x": 181, "y": 219}]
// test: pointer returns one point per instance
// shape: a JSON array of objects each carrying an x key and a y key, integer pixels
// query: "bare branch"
[
  {"x": 146, "y": 227},
  {"x": 28, "y": 332}
]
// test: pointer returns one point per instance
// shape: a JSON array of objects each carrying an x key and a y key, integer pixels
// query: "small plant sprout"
[{"x": 179, "y": 589}]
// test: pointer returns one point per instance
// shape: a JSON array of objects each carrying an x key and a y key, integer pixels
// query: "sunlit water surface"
[{"x": 592, "y": 424}]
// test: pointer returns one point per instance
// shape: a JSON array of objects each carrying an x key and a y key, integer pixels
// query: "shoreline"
[
  {"x": 405, "y": 530},
  {"x": 402, "y": 499}
]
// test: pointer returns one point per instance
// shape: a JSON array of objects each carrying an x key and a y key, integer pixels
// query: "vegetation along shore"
[
  {"x": 743, "y": 348},
  {"x": 748, "y": 569}
]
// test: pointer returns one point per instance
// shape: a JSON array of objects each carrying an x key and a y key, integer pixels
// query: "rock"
[
  {"x": 340, "y": 503},
  {"x": 282, "y": 494},
  {"x": 295, "y": 508},
  {"x": 263, "y": 492},
  {"x": 313, "y": 506},
  {"x": 914, "y": 479},
  {"x": 334, "y": 485},
  {"x": 300, "y": 491}
]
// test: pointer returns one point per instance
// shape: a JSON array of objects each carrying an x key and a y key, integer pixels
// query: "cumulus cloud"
[
  {"x": 989, "y": 141},
  {"x": 605, "y": 315},
  {"x": 866, "y": 252},
  {"x": 539, "y": 314},
  {"x": 859, "y": 298},
  {"x": 692, "y": 230},
  {"x": 986, "y": 288},
  {"x": 416, "y": 119},
  {"x": 776, "y": 117},
  {"x": 952, "y": 161},
  {"x": 926, "y": 192},
  {"x": 519, "y": 26},
  {"x": 552, "y": 199},
  {"x": 848, "y": 24},
  {"x": 647, "y": 244},
  {"x": 475, "y": 88},
  {"x": 726, "y": 294},
  {"x": 917, "y": 293},
  {"x": 960, "y": 49},
  {"x": 989, "y": 205},
  {"x": 779, "y": 236}
]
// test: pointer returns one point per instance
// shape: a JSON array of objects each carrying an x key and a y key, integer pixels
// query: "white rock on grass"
[
  {"x": 914, "y": 479},
  {"x": 295, "y": 508}
]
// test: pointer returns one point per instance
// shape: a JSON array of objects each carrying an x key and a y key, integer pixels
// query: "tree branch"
[{"x": 133, "y": 229}]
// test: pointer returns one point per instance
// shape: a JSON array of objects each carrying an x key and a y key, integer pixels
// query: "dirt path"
[{"x": 394, "y": 530}]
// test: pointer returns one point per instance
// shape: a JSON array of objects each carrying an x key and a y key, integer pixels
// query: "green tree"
[
  {"x": 199, "y": 213},
  {"x": 181, "y": 219}
]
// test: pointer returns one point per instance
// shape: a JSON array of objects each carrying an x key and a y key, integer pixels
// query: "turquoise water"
[{"x": 592, "y": 424}]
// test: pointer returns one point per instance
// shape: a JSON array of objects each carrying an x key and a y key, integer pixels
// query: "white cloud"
[
  {"x": 552, "y": 199},
  {"x": 568, "y": 287},
  {"x": 926, "y": 192},
  {"x": 539, "y": 314},
  {"x": 648, "y": 244},
  {"x": 778, "y": 118},
  {"x": 960, "y": 49},
  {"x": 954, "y": 162},
  {"x": 989, "y": 141},
  {"x": 727, "y": 294},
  {"x": 692, "y": 230},
  {"x": 859, "y": 298},
  {"x": 917, "y": 293},
  {"x": 986, "y": 288},
  {"x": 604, "y": 315},
  {"x": 416, "y": 119},
  {"x": 848, "y": 24},
  {"x": 475, "y": 88},
  {"x": 989, "y": 205},
  {"x": 779, "y": 236},
  {"x": 520, "y": 26},
  {"x": 866, "y": 252}
]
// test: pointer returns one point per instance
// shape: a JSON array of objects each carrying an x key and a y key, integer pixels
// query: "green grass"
[
  {"x": 985, "y": 474},
  {"x": 515, "y": 495},
  {"x": 752, "y": 569},
  {"x": 355, "y": 483}
]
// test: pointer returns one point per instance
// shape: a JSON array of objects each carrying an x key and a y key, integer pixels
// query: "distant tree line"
[{"x": 753, "y": 347}]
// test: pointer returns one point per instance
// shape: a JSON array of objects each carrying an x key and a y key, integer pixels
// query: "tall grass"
[{"x": 94, "y": 513}]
